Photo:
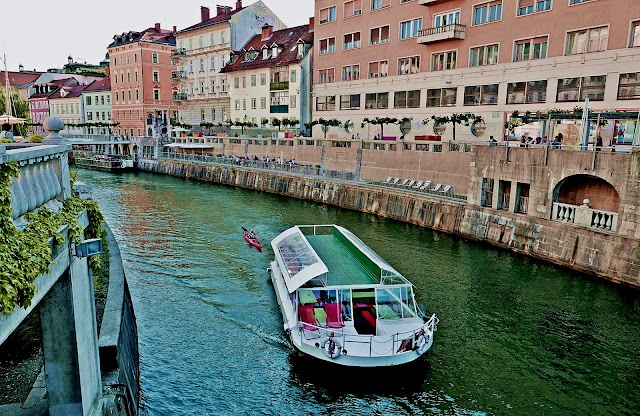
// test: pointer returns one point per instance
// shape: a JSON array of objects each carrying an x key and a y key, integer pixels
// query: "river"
[{"x": 517, "y": 336}]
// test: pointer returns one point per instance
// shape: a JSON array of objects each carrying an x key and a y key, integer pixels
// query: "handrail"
[{"x": 455, "y": 27}]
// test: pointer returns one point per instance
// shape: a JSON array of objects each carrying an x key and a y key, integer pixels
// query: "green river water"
[{"x": 516, "y": 337}]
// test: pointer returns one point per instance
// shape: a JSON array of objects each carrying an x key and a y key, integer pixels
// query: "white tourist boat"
[{"x": 341, "y": 302}]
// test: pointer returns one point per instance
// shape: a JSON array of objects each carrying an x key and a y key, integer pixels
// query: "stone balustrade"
[{"x": 584, "y": 216}]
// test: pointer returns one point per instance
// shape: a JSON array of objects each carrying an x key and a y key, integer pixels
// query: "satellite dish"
[{"x": 439, "y": 128}]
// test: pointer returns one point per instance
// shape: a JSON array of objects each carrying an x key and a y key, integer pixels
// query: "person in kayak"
[{"x": 252, "y": 235}]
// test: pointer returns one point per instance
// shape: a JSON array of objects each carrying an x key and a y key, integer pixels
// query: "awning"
[
  {"x": 174, "y": 145},
  {"x": 197, "y": 146},
  {"x": 297, "y": 258}
]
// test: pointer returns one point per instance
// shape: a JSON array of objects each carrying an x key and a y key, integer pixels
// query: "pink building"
[
  {"x": 418, "y": 58},
  {"x": 141, "y": 85}
]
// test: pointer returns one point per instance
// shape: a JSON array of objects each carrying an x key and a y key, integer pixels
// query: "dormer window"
[
  {"x": 115, "y": 40},
  {"x": 274, "y": 51},
  {"x": 300, "y": 49},
  {"x": 265, "y": 53}
]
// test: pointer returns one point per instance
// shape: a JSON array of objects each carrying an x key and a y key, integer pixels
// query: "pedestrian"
[
  {"x": 559, "y": 140},
  {"x": 357, "y": 136},
  {"x": 6, "y": 133},
  {"x": 599, "y": 143}
]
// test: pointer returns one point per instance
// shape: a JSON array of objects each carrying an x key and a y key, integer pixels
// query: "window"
[
  {"x": 201, "y": 41},
  {"x": 483, "y": 55},
  {"x": 213, "y": 63},
  {"x": 154, "y": 58},
  {"x": 326, "y": 76},
  {"x": 244, "y": 104},
  {"x": 292, "y": 101},
  {"x": 352, "y": 8},
  {"x": 292, "y": 76},
  {"x": 527, "y": 92},
  {"x": 578, "y": 1},
  {"x": 629, "y": 86},
  {"x": 237, "y": 104},
  {"x": 487, "y": 192},
  {"x": 533, "y": 6},
  {"x": 137, "y": 94},
  {"x": 578, "y": 89},
  {"x": 201, "y": 87},
  {"x": 244, "y": 82},
  {"x": 135, "y": 76},
  {"x": 379, "y": 4},
  {"x": 589, "y": 40},
  {"x": 448, "y": 18},
  {"x": 410, "y": 28},
  {"x": 487, "y": 12},
  {"x": 378, "y": 69},
  {"x": 480, "y": 95},
  {"x": 156, "y": 76},
  {"x": 635, "y": 35},
  {"x": 236, "y": 82},
  {"x": 89, "y": 100},
  {"x": 263, "y": 102},
  {"x": 201, "y": 65},
  {"x": 253, "y": 80},
  {"x": 350, "y": 102},
  {"x": 406, "y": 99},
  {"x": 212, "y": 39},
  {"x": 526, "y": 49},
  {"x": 379, "y": 35},
  {"x": 328, "y": 15},
  {"x": 443, "y": 61},
  {"x": 128, "y": 60},
  {"x": 156, "y": 94},
  {"x": 89, "y": 116},
  {"x": 327, "y": 46},
  {"x": 409, "y": 65},
  {"x": 101, "y": 100},
  {"x": 263, "y": 79},
  {"x": 326, "y": 103},
  {"x": 351, "y": 41},
  {"x": 441, "y": 97},
  {"x": 351, "y": 72},
  {"x": 376, "y": 100},
  {"x": 129, "y": 95},
  {"x": 223, "y": 36}
]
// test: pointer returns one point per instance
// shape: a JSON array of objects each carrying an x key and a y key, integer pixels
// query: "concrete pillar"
[{"x": 70, "y": 342}]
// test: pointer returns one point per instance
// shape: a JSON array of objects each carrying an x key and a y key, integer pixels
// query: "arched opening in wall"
[{"x": 573, "y": 190}]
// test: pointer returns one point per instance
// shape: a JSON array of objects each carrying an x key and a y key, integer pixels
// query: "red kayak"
[{"x": 253, "y": 241}]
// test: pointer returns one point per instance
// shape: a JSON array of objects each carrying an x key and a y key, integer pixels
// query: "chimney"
[
  {"x": 220, "y": 10},
  {"x": 157, "y": 27},
  {"x": 238, "y": 4},
  {"x": 204, "y": 13},
  {"x": 175, "y": 29},
  {"x": 267, "y": 31},
  {"x": 311, "y": 23}
]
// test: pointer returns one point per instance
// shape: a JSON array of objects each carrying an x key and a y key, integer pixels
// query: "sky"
[{"x": 41, "y": 34}]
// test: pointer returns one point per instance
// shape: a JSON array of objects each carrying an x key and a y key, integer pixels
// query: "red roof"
[
  {"x": 57, "y": 83},
  {"x": 149, "y": 35},
  {"x": 19, "y": 79},
  {"x": 286, "y": 39},
  {"x": 99, "y": 85},
  {"x": 72, "y": 92},
  {"x": 213, "y": 21}
]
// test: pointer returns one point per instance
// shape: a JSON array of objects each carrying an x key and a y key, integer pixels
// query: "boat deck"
[{"x": 344, "y": 268}]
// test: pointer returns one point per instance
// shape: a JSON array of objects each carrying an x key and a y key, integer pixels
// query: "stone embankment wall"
[{"x": 616, "y": 258}]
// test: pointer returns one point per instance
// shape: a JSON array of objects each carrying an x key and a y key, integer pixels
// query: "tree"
[
  {"x": 285, "y": 122},
  {"x": 20, "y": 108},
  {"x": 327, "y": 123},
  {"x": 243, "y": 124},
  {"x": 379, "y": 121},
  {"x": 275, "y": 122},
  {"x": 455, "y": 118}
]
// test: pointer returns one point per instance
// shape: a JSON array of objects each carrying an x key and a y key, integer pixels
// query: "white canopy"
[
  {"x": 9, "y": 119},
  {"x": 180, "y": 129},
  {"x": 297, "y": 259}
]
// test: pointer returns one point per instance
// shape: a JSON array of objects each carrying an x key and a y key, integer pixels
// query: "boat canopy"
[
  {"x": 297, "y": 259},
  {"x": 388, "y": 275}
]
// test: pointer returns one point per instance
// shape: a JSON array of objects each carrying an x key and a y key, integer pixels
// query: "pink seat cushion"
[
  {"x": 369, "y": 318},
  {"x": 333, "y": 315}
]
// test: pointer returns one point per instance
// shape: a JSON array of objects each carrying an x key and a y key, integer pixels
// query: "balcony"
[
  {"x": 279, "y": 109},
  {"x": 436, "y": 34},
  {"x": 180, "y": 52},
  {"x": 584, "y": 216},
  {"x": 282, "y": 85},
  {"x": 431, "y": 2},
  {"x": 178, "y": 74},
  {"x": 180, "y": 96}
]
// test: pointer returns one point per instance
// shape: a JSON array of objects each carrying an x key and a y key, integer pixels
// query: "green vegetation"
[
  {"x": 36, "y": 138},
  {"x": 26, "y": 254},
  {"x": 455, "y": 118},
  {"x": 20, "y": 108}
]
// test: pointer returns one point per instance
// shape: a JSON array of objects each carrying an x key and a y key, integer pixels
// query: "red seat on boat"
[
  {"x": 369, "y": 318},
  {"x": 334, "y": 318},
  {"x": 307, "y": 316}
]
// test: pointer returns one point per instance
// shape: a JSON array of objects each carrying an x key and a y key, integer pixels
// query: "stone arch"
[{"x": 574, "y": 189}]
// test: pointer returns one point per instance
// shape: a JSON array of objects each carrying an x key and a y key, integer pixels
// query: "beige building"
[
  {"x": 418, "y": 58},
  {"x": 204, "y": 49},
  {"x": 270, "y": 77}
]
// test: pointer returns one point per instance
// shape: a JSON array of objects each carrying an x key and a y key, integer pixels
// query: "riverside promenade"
[{"x": 569, "y": 207}]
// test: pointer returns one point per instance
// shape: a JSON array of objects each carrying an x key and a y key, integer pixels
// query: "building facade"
[
  {"x": 97, "y": 107},
  {"x": 39, "y": 106},
  {"x": 266, "y": 76},
  {"x": 419, "y": 58},
  {"x": 140, "y": 68},
  {"x": 66, "y": 103},
  {"x": 204, "y": 49}
]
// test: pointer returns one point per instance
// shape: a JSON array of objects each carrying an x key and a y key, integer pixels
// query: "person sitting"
[
  {"x": 6, "y": 132},
  {"x": 252, "y": 235}
]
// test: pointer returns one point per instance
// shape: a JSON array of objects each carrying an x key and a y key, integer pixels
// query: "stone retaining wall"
[{"x": 615, "y": 258}]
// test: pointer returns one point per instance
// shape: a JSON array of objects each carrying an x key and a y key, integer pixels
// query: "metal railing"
[{"x": 281, "y": 85}]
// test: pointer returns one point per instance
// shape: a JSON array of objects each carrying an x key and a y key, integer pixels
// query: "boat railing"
[{"x": 378, "y": 345}]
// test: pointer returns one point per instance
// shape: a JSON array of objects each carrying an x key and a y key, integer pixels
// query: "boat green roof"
[{"x": 332, "y": 254}]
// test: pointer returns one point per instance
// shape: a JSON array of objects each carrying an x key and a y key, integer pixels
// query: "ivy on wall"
[{"x": 27, "y": 254}]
